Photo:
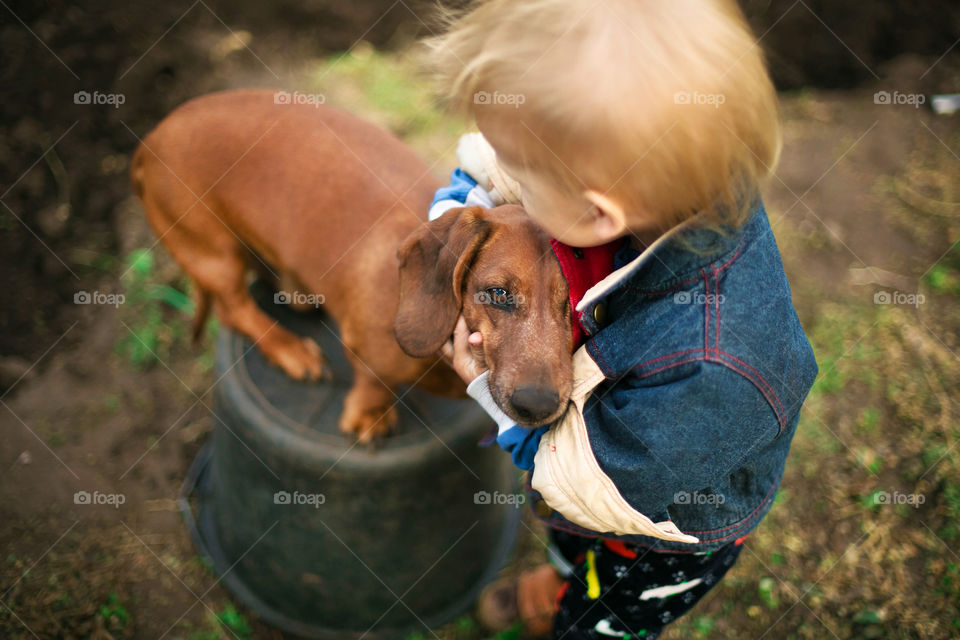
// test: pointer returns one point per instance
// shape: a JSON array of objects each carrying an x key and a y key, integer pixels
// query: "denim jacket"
[{"x": 695, "y": 368}]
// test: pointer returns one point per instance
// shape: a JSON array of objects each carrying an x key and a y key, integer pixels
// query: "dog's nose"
[{"x": 534, "y": 404}]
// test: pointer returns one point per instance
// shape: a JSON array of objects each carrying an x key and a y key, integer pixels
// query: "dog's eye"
[{"x": 498, "y": 297}]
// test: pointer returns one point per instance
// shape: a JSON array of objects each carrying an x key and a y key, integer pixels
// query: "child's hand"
[{"x": 464, "y": 352}]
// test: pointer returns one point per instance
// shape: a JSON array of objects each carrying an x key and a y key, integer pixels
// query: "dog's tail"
[
  {"x": 136, "y": 172},
  {"x": 201, "y": 313}
]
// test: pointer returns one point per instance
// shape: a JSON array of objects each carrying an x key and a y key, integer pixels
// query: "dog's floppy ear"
[{"x": 434, "y": 261}]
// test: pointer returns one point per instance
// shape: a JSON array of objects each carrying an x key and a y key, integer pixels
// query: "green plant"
[
  {"x": 766, "y": 589},
  {"x": 868, "y": 419},
  {"x": 151, "y": 330},
  {"x": 513, "y": 633},
  {"x": 236, "y": 622},
  {"x": 943, "y": 279},
  {"x": 113, "y": 613},
  {"x": 702, "y": 626}
]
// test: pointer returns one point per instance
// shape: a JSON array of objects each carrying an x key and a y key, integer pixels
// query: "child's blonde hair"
[{"x": 664, "y": 105}]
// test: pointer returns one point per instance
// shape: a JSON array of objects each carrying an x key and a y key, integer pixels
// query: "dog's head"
[{"x": 496, "y": 267}]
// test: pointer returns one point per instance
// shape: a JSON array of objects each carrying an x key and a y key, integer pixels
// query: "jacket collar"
[{"x": 682, "y": 250}]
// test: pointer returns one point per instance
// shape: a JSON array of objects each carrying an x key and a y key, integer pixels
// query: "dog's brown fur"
[
  {"x": 321, "y": 200},
  {"x": 450, "y": 266}
]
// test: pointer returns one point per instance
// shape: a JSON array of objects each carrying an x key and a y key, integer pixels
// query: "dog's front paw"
[
  {"x": 369, "y": 426},
  {"x": 300, "y": 358}
]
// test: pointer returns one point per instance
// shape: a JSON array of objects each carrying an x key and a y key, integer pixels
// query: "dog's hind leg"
[{"x": 217, "y": 261}]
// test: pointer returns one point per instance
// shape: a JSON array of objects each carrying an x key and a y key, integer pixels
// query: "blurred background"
[{"x": 864, "y": 539}]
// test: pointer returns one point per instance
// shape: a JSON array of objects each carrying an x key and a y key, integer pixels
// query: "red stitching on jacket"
[
  {"x": 781, "y": 417},
  {"x": 745, "y": 523},
  {"x": 743, "y": 519},
  {"x": 716, "y": 271},
  {"x": 716, "y": 304},
  {"x": 672, "y": 355},
  {"x": 596, "y": 350},
  {"x": 758, "y": 375},
  {"x": 732, "y": 258},
  {"x": 774, "y": 403},
  {"x": 671, "y": 365},
  {"x": 706, "y": 312},
  {"x": 680, "y": 284}
]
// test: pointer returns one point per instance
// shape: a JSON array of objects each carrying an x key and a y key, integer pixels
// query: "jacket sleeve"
[
  {"x": 452, "y": 195},
  {"x": 624, "y": 450},
  {"x": 520, "y": 442},
  {"x": 479, "y": 180}
]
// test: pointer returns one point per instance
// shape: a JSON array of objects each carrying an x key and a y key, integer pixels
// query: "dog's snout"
[{"x": 534, "y": 403}]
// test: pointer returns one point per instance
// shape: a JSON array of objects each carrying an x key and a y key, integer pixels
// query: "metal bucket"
[{"x": 325, "y": 539}]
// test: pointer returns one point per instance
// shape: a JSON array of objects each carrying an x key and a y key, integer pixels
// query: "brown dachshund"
[{"x": 323, "y": 202}]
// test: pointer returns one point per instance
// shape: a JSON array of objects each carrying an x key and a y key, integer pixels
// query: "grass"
[
  {"x": 158, "y": 314},
  {"x": 114, "y": 614},
  {"x": 229, "y": 623},
  {"x": 943, "y": 279},
  {"x": 390, "y": 90}
]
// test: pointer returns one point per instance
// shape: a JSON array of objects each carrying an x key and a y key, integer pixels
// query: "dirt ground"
[{"x": 864, "y": 539}]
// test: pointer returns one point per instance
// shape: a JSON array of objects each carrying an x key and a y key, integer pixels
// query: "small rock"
[
  {"x": 113, "y": 163},
  {"x": 12, "y": 369},
  {"x": 53, "y": 220},
  {"x": 236, "y": 41}
]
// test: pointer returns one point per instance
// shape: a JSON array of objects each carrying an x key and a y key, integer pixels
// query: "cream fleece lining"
[{"x": 569, "y": 478}]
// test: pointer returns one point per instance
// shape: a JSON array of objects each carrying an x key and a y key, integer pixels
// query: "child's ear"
[{"x": 610, "y": 221}]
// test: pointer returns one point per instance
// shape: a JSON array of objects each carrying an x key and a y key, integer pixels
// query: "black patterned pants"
[{"x": 618, "y": 590}]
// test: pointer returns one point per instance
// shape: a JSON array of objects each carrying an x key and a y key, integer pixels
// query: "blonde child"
[{"x": 636, "y": 133}]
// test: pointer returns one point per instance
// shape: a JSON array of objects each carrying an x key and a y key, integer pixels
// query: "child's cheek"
[{"x": 535, "y": 214}]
